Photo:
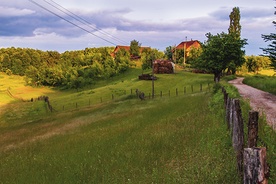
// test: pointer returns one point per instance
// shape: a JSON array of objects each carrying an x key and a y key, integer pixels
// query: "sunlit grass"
[
  {"x": 169, "y": 140},
  {"x": 265, "y": 83}
]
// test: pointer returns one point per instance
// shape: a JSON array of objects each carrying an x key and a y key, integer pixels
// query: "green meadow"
[{"x": 105, "y": 134}]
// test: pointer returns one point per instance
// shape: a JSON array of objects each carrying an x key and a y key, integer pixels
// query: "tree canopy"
[
  {"x": 218, "y": 52},
  {"x": 134, "y": 48},
  {"x": 71, "y": 69},
  {"x": 270, "y": 51}
]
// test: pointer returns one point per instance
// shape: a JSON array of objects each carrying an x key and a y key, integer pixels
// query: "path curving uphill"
[{"x": 260, "y": 101}]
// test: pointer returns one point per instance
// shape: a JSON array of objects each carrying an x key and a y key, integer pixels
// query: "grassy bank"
[
  {"x": 169, "y": 140},
  {"x": 266, "y": 135},
  {"x": 265, "y": 83}
]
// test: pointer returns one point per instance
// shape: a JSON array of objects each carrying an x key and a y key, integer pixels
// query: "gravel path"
[{"x": 260, "y": 101}]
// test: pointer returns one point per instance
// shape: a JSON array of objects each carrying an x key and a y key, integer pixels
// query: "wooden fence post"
[
  {"x": 238, "y": 135},
  {"x": 161, "y": 94},
  {"x": 176, "y": 92},
  {"x": 200, "y": 87},
  {"x": 255, "y": 166},
  {"x": 253, "y": 129},
  {"x": 192, "y": 88},
  {"x": 228, "y": 113}
]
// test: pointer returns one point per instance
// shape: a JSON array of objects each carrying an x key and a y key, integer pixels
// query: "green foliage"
[
  {"x": 235, "y": 26},
  {"x": 270, "y": 51},
  {"x": 169, "y": 53},
  {"x": 257, "y": 63},
  {"x": 265, "y": 83},
  {"x": 219, "y": 52},
  {"x": 71, "y": 69},
  {"x": 148, "y": 56},
  {"x": 134, "y": 48}
]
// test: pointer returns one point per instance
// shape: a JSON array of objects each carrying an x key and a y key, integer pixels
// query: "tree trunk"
[{"x": 217, "y": 76}]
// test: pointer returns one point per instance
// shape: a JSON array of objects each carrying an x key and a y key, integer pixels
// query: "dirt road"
[{"x": 260, "y": 101}]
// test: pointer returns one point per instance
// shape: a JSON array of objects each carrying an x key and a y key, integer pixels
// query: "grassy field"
[
  {"x": 168, "y": 139},
  {"x": 262, "y": 82}
]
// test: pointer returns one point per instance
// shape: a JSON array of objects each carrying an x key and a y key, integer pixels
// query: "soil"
[{"x": 263, "y": 102}]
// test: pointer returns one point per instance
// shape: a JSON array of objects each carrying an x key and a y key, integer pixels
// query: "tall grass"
[
  {"x": 168, "y": 140},
  {"x": 265, "y": 83},
  {"x": 266, "y": 135}
]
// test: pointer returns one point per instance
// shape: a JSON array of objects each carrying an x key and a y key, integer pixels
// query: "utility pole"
[
  {"x": 152, "y": 78},
  {"x": 184, "y": 49}
]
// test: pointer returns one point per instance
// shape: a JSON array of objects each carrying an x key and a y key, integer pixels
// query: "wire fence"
[{"x": 57, "y": 106}]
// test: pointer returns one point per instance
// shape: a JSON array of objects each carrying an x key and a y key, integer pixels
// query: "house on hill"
[
  {"x": 127, "y": 48},
  {"x": 186, "y": 47}
]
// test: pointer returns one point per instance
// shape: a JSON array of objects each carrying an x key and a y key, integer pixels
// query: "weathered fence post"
[
  {"x": 131, "y": 91},
  {"x": 200, "y": 87},
  {"x": 101, "y": 100},
  {"x": 176, "y": 92},
  {"x": 112, "y": 97},
  {"x": 192, "y": 88},
  {"x": 252, "y": 129},
  {"x": 229, "y": 113},
  {"x": 238, "y": 134},
  {"x": 161, "y": 94},
  {"x": 255, "y": 166}
]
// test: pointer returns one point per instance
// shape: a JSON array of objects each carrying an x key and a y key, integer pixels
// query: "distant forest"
[{"x": 71, "y": 69}]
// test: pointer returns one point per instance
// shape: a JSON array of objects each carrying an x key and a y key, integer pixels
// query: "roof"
[{"x": 188, "y": 44}]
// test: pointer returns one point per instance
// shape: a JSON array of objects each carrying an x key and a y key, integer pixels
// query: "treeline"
[{"x": 71, "y": 69}]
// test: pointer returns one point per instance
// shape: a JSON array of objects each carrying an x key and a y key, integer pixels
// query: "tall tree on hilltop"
[
  {"x": 235, "y": 26},
  {"x": 235, "y": 30},
  {"x": 270, "y": 51},
  {"x": 134, "y": 48}
]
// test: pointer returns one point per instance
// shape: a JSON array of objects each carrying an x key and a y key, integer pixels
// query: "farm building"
[
  {"x": 163, "y": 67},
  {"x": 188, "y": 46}
]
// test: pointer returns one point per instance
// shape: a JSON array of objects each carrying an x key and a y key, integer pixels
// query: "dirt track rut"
[{"x": 260, "y": 101}]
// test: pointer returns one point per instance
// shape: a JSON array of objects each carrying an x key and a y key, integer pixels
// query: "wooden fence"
[
  {"x": 185, "y": 90},
  {"x": 251, "y": 160}
]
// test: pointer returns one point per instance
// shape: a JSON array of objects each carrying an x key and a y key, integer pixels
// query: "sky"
[{"x": 61, "y": 25}]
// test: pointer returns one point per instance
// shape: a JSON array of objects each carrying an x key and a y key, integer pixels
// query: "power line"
[
  {"x": 39, "y": 5},
  {"x": 83, "y": 21}
]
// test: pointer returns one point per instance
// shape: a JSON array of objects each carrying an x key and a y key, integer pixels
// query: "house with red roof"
[{"x": 188, "y": 45}]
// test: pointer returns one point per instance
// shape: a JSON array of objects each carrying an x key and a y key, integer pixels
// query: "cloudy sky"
[{"x": 76, "y": 24}]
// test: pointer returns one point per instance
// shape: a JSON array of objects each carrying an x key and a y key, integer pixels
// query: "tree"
[
  {"x": 218, "y": 52},
  {"x": 134, "y": 48},
  {"x": 235, "y": 30},
  {"x": 235, "y": 27},
  {"x": 169, "y": 52},
  {"x": 270, "y": 51},
  {"x": 148, "y": 56},
  {"x": 257, "y": 63}
]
